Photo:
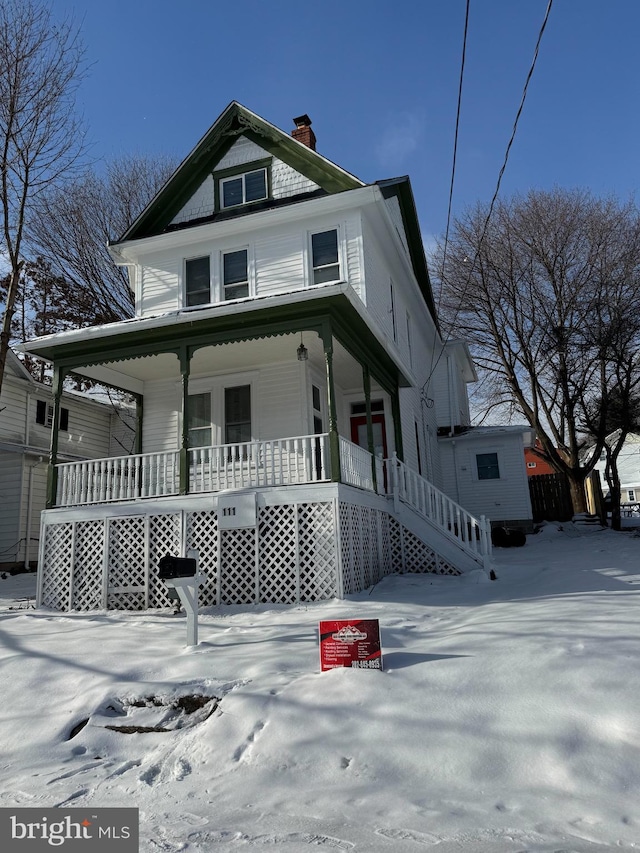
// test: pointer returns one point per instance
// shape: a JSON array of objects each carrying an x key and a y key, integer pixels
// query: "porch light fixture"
[{"x": 303, "y": 352}]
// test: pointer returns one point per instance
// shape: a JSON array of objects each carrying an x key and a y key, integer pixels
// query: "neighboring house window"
[
  {"x": 632, "y": 494},
  {"x": 199, "y": 420},
  {"x": 235, "y": 274},
  {"x": 392, "y": 311},
  {"x": 44, "y": 415},
  {"x": 244, "y": 188},
  {"x": 487, "y": 466},
  {"x": 237, "y": 414},
  {"x": 409, "y": 341},
  {"x": 324, "y": 252},
  {"x": 197, "y": 281},
  {"x": 531, "y": 464}
]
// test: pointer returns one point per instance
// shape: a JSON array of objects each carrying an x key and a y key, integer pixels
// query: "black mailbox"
[{"x": 176, "y": 567}]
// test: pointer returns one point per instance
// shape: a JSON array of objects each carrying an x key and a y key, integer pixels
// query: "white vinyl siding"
[
  {"x": 275, "y": 412},
  {"x": 161, "y": 422},
  {"x": 285, "y": 181},
  {"x": 11, "y": 478},
  {"x": 279, "y": 263},
  {"x": 12, "y": 417},
  {"x": 498, "y": 499},
  {"x": 160, "y": 283}
]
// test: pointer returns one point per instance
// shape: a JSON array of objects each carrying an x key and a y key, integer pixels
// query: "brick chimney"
[{"x": 303, "y": 132}]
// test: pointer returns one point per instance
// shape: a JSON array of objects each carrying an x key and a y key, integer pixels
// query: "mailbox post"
[{"x": 181, "y": 574}]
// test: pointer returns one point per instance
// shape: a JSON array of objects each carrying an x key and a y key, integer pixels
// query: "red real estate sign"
[{"x": 350, "y": 642}]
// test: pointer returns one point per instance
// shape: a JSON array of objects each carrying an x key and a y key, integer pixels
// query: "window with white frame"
[
  {"x": 44, "y": 415},
  {"x": 199, "y": 420},
  {"x": 244, "y": 188},
  {"x": 392, "y": 311},
  {"x": 631, "y": 494},
  {"x": 197, "y": 277},
  {"x": 324, "y": 256},
  {"x": 409, "y": 340},
  {"x": 237, "y": 414},
  {"x": 235, "y": 274},
  {"x": 487, "y": 464}
]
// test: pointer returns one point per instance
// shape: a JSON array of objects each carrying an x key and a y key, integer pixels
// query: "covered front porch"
[{"x": 253, "y": 399}]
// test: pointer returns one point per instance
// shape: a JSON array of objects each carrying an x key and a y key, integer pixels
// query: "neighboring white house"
[
  {"x": 88, "y": 429},
  {"x": 291, "y": 382},
  {"x": 628, "y": 469}
]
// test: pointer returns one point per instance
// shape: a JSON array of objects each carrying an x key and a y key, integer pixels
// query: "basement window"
[{"x": 44, "y": 415}]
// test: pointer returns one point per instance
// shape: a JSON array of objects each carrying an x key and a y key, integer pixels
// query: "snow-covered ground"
[{"x": 507, "y": 717}]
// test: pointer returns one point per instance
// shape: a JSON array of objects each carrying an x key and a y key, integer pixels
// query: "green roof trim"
[
  {"x": 234, "y": 122},
  {"x": 401, "y": 189},
  {"x": 347, "y": 325}
]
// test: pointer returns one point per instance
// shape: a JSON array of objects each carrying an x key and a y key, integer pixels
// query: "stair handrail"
[{"x": 471, "y": 534}]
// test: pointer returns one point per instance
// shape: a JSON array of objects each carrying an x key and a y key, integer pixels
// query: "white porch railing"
[
  {"x": 145, "y": 475},
  {"x": 251, "y": 464},
  {"x": 355, "y": 465},
  {"x": 472, "y": 534}
]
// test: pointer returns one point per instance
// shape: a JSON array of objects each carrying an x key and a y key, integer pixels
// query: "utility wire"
[
  {"x": 455, "y": 138},
  {"x": 497, "y": 190}
]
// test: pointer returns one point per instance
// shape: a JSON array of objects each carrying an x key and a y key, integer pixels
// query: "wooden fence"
[{"x": 550, "y": 498}]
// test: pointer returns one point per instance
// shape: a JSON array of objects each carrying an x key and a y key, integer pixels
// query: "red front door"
[{"x": 359, "y": 434}]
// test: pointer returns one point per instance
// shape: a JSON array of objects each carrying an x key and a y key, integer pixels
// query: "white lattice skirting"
[{"x": 303, "y": 550}]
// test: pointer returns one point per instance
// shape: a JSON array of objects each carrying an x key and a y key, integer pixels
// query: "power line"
[
  {"x": 455, "y": 136},
  {"x": 498, "y": 183}
]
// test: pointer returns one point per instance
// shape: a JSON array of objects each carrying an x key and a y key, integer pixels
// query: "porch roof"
[{"x": 333, "y": 308}]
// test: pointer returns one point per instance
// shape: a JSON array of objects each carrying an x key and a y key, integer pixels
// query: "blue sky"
[{"x": 379, "y": 81}]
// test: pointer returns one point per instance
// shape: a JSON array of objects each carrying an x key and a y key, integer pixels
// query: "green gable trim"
[
  {"x": 234, "y": 122},
  {"x": 401, "y": 189}
]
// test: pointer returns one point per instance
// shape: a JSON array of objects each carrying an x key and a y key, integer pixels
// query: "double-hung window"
[
  {"x": 237, "y": 419},
  {"x": 44, "y": 415},
  {"x": 244, "y": 188},
  {"x": 324, "y": 253},
  {"x": 197, "y": 275},
  {"x": 199, "y": 420},
  {"x": 487, "y": 464},
  {"x": 235, "y": 274}
]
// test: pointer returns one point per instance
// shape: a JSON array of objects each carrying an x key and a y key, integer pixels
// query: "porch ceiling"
[
  {"x": 228, "y": 358},
  {"x": 135, "y": 352}
]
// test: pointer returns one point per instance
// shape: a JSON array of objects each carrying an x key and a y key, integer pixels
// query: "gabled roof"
[
  {"x": 235, "y": 121},
  {"x": 401, "y": 189}
]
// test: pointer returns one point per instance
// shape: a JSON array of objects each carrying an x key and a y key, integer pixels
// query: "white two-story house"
[
  {"x": 88, "y": 428},
  {"x": 283, "y": 345}
]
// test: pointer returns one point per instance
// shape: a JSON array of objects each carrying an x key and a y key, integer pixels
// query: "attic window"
[
  {"x": 242, "y": 185},
  {"x": 244, "y": 188}
]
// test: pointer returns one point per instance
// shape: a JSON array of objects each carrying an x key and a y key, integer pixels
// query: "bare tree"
[
  {"x": 74, "y": 222},
  {"x": 545, "y": 293},
  {"x": 41, "y": 139}
]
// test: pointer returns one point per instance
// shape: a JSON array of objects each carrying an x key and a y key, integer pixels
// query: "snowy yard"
[{"x": 507, "y": 717}]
